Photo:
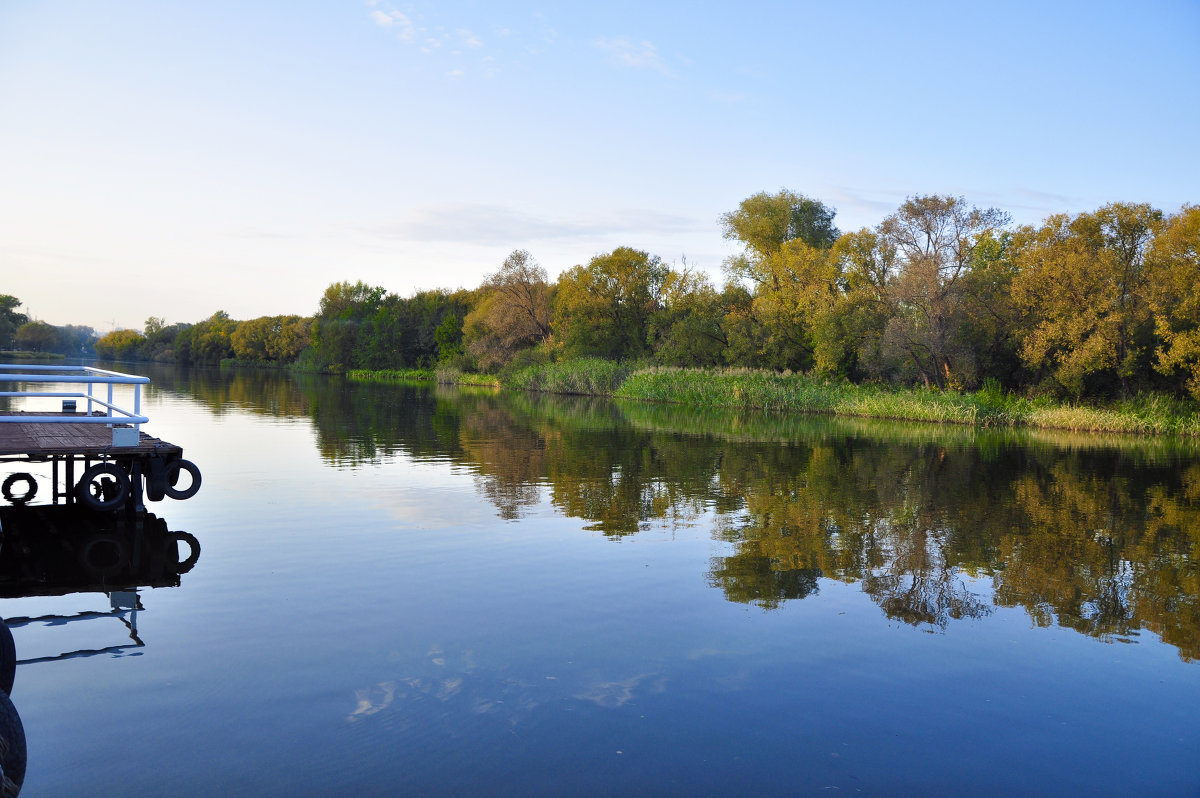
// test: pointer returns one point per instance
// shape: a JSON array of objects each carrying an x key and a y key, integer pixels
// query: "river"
[{"x": 420, "y": 591}]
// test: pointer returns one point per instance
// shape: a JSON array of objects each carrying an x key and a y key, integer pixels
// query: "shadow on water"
[
  {"x": 59, "y": 550},
  {"x": 935, "y": 523}
]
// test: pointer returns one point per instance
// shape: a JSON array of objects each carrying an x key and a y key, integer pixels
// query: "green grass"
[
  {"x": 390, "y": 375},
  {"x": 750, "y": 389},
  {"x": 795, "y": 393},
  {"x": 584, "y": 377}
]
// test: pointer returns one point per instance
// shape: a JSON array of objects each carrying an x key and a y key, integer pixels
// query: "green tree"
[
  {"x": 76, "y": 339},
  {"x": 343, "y": 308},
  {"x": 765, "y": 222},
  {"x": 605, "y": 308},
  {"x": 270, "y": 338},
  {"x": 691, "y": 329},
  {"x": 37, "y": 336},
  {"x": 209, "y": 341},
  {"x": 10, "y": 319},
  {"x": 448, "y": 335},
  {"x": 847, "y": 333}
]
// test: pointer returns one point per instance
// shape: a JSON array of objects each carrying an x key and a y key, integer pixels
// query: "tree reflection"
[{"x": 936, "y": 524}]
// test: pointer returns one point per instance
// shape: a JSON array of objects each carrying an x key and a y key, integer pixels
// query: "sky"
[{"x": 173, "y": 159}]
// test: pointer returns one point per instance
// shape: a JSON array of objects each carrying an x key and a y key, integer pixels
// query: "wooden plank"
[{"x": 38, "y": 440}]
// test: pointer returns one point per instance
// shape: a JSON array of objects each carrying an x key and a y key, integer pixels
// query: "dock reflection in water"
[{"x": 63, "y": 550}]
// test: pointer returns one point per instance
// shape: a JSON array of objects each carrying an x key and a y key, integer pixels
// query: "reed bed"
[
  {"x": 988, "y": 407},
  {"x": 390, "y": 375},
  {"x": 583, "y": 377}
]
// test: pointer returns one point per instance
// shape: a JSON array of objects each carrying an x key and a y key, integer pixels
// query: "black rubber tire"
[
  {"x": 13, "y": 479},
  {"x": 173, "y": 469},
  {"x": 8, "y": 659},
  {"x": 108, "y": 500},
  {"x": 190, "y": 539},
  {"x": 103, "y": 556},
  {"x": 156, "y": 479},
  {"x": 15, "y": 753}
]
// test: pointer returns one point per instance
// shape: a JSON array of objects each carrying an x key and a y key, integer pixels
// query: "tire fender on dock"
[
  {"x": 173, "y": 469},
  {"x": 98, "y": 495},
  {"x": 13, "y": 479}
]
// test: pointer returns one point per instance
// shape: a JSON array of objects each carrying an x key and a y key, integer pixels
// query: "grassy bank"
[
  {"x": 24, "y": 354},
  {"x": 749, "y": 389},
  {"x": 796, "y": 393}
]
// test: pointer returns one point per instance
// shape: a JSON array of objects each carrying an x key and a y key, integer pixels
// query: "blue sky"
[{"x": 173, "y": 159}]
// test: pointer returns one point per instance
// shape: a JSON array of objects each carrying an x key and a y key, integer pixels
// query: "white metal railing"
[{"x": 75, "y": 375}]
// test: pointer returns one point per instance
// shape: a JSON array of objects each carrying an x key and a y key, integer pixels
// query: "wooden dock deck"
[{"x": 42, "y": 441}]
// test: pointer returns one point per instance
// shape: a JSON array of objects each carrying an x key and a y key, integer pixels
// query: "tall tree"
[
  {"x": 764, "y": 222},
  {"x": 847, "y": 335},
  {"x": 1174, "y": 274},
  {"x": 786, "y": 239},
  {"x": 1083, "y": 282},
  {"x": 604, "y": 308},
  {"x": 10, "y": 319},
  {"x": 514, "y": 313},
  {"x": 935, "y": 239},
  {"x": 343, "y": 309}
]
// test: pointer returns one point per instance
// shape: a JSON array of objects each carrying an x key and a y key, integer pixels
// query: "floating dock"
[
  {"x": 40, "y": 440},
  {"x": 119, "y": 464}
]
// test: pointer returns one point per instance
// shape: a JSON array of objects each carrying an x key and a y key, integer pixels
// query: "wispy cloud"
[
  {"x": 469, "y": 39},
  {"x": 491, "y": 225},
  {"x": 637, "y": 55},
  {"x": 391, "y": 18}
]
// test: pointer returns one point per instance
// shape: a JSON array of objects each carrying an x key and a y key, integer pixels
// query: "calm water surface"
[{"x": 409, "y": 591}]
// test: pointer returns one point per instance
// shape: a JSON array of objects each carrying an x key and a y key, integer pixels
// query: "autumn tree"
[
  {"x": 271, "y": 338},
  {"x": 1174, "y": 295},
  {"x": 119, "y": 345},
  {"x": 786, "y": 239},
  {"x": 1083, "y": 282},
  {"x": 513, "y": 314},
  {"x": 934, "y": 238},
  {"x": 765, "y": 222}
]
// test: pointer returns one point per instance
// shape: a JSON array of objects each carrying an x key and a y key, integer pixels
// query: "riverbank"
[
  {"x": 24, "y": 354},
  {"x": 750, "y": 389}
]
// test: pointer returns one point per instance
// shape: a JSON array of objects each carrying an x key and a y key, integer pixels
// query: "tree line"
[
  {"x": 19, "y": 332},
  {"x": 940, "y": 293}
]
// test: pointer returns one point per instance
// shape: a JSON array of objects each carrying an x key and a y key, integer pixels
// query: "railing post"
[
  {"x": 137, "y": 403},
  {"x": 90, "y": 385}
]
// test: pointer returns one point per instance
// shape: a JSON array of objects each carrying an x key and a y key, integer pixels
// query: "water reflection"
[
  {"x": 58, "y": 550},
  {"x": 936, "y": 524}
]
